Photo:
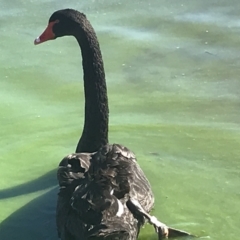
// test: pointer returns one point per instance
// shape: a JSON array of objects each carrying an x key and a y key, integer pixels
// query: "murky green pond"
[{"x": 173, "y": 72}]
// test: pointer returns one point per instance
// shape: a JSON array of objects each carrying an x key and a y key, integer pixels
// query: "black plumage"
[
  {"x": 97, "y": 200},
  {"x": 97, "y": 181}
]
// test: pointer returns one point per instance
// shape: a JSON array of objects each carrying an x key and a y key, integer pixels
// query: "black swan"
[{"x": 103, "y": 194}]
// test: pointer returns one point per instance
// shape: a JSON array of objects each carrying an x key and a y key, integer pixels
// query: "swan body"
[
  {"x": 98, "y": 180},
  {"x": 93, "y": 198}
]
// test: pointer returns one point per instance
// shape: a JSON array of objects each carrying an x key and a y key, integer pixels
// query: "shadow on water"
[
  {"x": 35, "y": 220},
  {"x": 46, "y": 181}
]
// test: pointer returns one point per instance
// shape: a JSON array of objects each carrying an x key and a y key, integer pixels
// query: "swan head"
[{"x": 62, "y": 23}]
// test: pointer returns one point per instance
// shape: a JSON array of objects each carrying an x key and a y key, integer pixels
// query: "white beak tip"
[{"x": 37, "y": 41}]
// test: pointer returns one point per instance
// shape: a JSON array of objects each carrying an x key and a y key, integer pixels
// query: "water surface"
[{"x": 172, "y": 71}]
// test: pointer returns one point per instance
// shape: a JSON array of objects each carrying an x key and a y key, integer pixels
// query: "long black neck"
[{"x": 95, "y": 131}]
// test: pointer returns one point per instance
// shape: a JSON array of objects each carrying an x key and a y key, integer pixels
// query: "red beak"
[{"x": 46, "y": 35}]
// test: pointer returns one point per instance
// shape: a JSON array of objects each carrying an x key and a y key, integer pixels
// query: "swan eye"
[
  {"x": 55, "y": 27},
  {"x": 61, "y": 28}
]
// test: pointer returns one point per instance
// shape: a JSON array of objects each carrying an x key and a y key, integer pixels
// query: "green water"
[{"x": 173, "y": 72}]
